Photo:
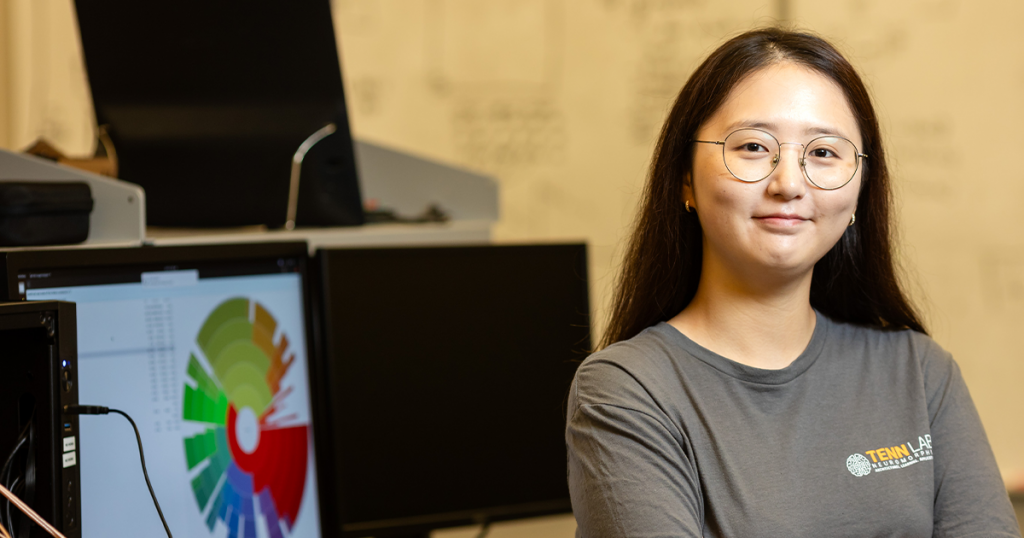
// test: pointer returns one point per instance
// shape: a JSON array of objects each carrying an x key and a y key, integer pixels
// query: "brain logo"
[{"x": 858, "y": 465}]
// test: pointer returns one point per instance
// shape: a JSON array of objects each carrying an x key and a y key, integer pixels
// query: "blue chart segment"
[{"x": 250, "y": 463}]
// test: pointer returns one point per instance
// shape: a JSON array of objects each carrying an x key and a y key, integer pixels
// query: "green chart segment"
[
  {"x": 207, "y": 402},
  {"x": 214, "y": 445},
  {"x": 229, "y": 341}
]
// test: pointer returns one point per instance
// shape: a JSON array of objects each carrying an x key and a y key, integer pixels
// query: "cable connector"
[{"x": 86, "y": 410}]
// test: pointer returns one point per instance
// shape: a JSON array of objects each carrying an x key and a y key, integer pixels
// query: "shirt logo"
[
  {"x": 890, "y": 458},
  {"x": 858, "y": 465}
]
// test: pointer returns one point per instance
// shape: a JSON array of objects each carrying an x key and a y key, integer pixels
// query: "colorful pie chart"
[{"x": 249, "y": 461}]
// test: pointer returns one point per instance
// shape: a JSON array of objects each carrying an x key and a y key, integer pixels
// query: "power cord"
[
  {"x": 6, "y": 480},
  {"x": 100, "y": 410},
  {"x": 19, "y": 476}
]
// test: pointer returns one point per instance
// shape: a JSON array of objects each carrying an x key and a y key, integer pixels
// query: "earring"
[
  {"x": 687, "y": 205},
  {"x": 853, "y": 218}
]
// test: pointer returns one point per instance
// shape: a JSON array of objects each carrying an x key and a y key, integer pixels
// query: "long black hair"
[{"x": 856, "y": 281}]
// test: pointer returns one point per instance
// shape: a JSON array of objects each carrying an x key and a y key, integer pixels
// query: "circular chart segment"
[{"x": 249, "y": 459}]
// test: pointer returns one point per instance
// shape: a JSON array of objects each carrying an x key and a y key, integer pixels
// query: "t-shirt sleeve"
[
  {"x": 630, "y": 472},
  {"x": 970, "y": 499}
]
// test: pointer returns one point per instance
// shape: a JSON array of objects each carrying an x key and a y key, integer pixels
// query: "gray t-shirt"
[{"x": 866, "y": 433}]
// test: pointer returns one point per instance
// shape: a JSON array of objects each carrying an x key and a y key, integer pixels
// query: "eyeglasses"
[{"x": 828, "y": 162}]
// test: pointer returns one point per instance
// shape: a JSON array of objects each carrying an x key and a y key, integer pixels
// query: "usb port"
[{"x": 67, "y": 426}]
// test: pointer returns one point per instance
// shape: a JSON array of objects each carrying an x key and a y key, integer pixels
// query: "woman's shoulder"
[
  {"x": 623, "y": 372},
  {"x": 892, "y": 346}
]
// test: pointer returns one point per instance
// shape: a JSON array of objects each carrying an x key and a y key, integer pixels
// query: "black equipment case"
[{"x": 44, "y": 213}]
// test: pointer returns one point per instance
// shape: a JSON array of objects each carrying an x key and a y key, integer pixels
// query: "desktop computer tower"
[{"x": 38, "y": 441}]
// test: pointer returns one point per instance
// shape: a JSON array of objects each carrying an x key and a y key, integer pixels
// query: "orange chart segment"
[{"x": 256, "y": 464}]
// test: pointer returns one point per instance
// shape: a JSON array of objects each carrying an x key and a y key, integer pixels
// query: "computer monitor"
[
  {"x": 449, "y": 370},
  {"x": 207, "y": 349}
]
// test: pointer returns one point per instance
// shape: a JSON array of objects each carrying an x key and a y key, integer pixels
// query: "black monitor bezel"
[{"x": 18, "y": 261}]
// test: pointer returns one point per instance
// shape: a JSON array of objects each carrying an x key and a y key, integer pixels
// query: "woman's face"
[{"x": 781, "y": 225}]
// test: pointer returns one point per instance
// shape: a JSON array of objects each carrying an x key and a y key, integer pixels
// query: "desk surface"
[{"x": 456, "y": 232}]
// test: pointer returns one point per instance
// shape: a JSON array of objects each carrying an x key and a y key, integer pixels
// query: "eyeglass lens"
[{"x": 752, "y": 154}]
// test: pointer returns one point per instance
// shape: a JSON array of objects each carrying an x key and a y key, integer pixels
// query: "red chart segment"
[{"x": 278, "y": 465}]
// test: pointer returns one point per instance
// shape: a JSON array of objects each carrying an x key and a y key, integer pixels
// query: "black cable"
[
  {"x": 5, "y": 479},
  {"x": 142, "y": 458},
  {"x": 485, "y": 529},
  {"x": 5, "y": 476},
  {"x": 22, "y": 439},
  {"x": 100, "y": 410}
]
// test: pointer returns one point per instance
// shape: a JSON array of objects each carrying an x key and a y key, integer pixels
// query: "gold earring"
[
  {"x": 687, "y": 205},
  {"x": 853, "y": 218}
]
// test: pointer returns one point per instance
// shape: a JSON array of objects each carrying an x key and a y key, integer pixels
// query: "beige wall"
[{"x": 561, "y": 100}]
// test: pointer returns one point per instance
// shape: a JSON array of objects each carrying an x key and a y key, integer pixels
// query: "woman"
[{"x": 764, "y": 373}]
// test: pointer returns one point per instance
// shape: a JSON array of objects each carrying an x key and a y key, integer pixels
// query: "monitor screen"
[
  {"x": 449, "y": 372},
  {"x": 206, "y": 348}
]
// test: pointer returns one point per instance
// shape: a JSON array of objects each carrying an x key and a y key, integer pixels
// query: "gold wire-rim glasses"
[{"x": 778, "y": 156}]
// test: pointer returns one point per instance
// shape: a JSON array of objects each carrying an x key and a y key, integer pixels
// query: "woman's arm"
[
  {"x": 970, "y": 498},
  {"x": 630, "y": 473}
]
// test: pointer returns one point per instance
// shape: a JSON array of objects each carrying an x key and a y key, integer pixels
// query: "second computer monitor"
[{"x": 448, "y": 373}]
